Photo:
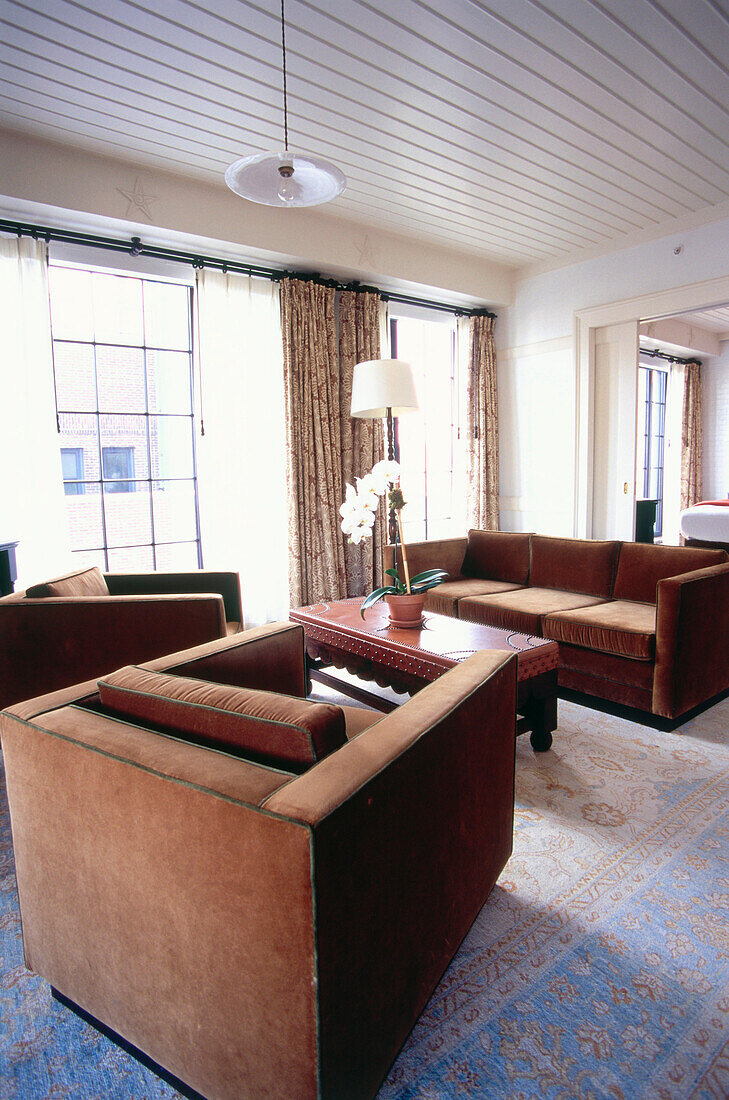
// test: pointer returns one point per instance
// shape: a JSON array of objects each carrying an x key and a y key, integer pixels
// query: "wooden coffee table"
[{"x": 407, "y": 660}]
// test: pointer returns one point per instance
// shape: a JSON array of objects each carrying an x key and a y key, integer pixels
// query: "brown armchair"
[{"x": 84, "y": 624}]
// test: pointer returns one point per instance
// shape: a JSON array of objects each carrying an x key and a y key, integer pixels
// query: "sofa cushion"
[
  {"x": 262, "y": 725},
  {"x": 84, "y": 582},
  {"x": 521, "y": 610},
  {"x": 498, "y": 555},
  {"x": 623, "y": 627},
  {"x": 575, "y": 565},
  {"x": 444, "y": 598},
  {"x": 642, "y": 565}
]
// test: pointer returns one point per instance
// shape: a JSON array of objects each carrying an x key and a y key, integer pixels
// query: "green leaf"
[
  {"x": 428, "y": 575},
  {"x": 424, "y": 586},
  {"x": 373, "y": 597}
]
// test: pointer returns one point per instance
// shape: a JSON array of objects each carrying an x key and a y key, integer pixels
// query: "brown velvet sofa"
[
  {"x": 82, "y": 624},
  {"x": 256, "y": 932},
  {"x": 640, "y": 625}
]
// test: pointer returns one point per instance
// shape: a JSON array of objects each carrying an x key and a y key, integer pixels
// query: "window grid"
[
  {"x": 654, "y": 427},
  {"x": 79, "y": 486}
]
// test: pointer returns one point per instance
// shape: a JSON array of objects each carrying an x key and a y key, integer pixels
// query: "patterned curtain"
[
  {"x": 692, "y": 437},
  {"x": 317, "y": 569},
  {"x": 482, "y": 427},
  {"x": 362, "y": 440}
]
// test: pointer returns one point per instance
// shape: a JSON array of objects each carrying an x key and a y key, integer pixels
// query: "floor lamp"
[{"x": 384, "y": 388}]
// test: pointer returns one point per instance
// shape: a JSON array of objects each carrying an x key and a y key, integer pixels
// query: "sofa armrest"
[
  {"x": 692, "y": 640},
  {"x": 61, "y": 640},
  {"x": 225, "y": 584},
  {"x": 270, "y": 658},
  {"x": 447, "y": 554}
]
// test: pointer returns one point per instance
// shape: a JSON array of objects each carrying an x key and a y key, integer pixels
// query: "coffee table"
[{"x": 408, "y": 659}]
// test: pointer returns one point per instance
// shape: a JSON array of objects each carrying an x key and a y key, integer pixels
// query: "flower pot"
[{"x": 407, "y": 610}]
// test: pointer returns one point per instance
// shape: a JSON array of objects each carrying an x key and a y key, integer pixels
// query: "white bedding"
[{"x": 708, "y": 522}]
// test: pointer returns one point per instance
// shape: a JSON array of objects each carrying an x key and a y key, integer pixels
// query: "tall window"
[
  {"x": 652, "y": 388},
  {"x": 122, "y": 350},
  {"x": 428, "y": 440}
]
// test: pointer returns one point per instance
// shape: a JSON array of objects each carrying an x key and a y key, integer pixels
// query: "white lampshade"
[
  {"x": 382, "y": 384},
  {"x": 306, "y": 180}
]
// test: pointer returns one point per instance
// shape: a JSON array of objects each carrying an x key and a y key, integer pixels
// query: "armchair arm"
[
  {"x": 692, "y": 640},
  {"x": 445, "y": 554},
  {"x": 226, "y": 585},
  {"x": 53, "y": 642},
  {"x": 269, "y": 657}
]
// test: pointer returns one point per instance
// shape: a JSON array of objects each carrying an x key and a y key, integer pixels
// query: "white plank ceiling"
[{"x": 523, "y": 130}]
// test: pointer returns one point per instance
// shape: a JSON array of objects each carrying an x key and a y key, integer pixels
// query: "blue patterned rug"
[{"x": 599, "y": 967}]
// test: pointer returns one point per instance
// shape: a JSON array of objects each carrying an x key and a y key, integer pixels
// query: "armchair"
[{"x": 83, "y": 624}]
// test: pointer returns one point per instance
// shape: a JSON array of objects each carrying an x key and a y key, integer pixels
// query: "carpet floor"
[{"x": 599, "y": 967}]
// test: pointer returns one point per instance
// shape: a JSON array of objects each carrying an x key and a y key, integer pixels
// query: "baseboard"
[
  {"x": 135, "y": 1052},
  {"x": 633, "y": 714}
]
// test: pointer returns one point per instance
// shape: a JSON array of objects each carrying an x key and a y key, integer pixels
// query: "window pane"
[
  {"x": 127, "y": 513},
  {"x": 85, "y": 558},
  {"x": 71, "y": 310},
  {"x": 168, "y": 381},
  {"x": 166, "y": 315},
  {"x": 75, "y": 383},
  {"x": 131, "y": 559},
  {"x": 177, "y": 556},
  {"x": 85, "y": 522},
  {"x": 120, "y": 373},
  {"x": 117, "y": 309},
  {"x": 174, "y": 510},
  {"x": 125, "y": 434},
  {"x": 78, "y": 432},
  {"x": 171, "y": 446}
]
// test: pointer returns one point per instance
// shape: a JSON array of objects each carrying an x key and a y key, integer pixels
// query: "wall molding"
[{"x": 541, "y": 347}]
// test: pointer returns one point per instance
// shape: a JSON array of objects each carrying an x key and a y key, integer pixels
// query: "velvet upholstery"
[
  {"x": 623, "y": 627},
  {"x": 446, "y": 554},
  {"x": 261, "y": 725},
  {"x": 522, "y": 609},
  {"x": 444, "y": 599},
  {"x": 83, "y": 582},
  {"x": 642, "y": 565},
  {"x": 574, "y": 565},
  {"x": 293, "y": 938},
  {"x": 498, "y": 555},
  {"x": 50, "y": 641}
]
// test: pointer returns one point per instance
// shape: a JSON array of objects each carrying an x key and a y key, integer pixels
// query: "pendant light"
[{"x": 285, "y": 178}]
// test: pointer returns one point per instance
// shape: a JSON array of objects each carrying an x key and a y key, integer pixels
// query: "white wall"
[
  {"x": 715, "y": 376},
  {"x": 535, "y": 340}
]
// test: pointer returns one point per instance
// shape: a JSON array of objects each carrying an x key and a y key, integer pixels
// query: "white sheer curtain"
[
  {"x": 242, "y": 455},
  {"x": 32, "y": 507},
  {"x": 672, "y": 455}
]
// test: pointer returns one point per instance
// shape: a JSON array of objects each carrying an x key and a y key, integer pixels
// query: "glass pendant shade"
[{"x": 285, "y": 179}]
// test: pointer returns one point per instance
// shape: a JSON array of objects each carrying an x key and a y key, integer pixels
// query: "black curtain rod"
[
  {"x": 656, "y": 354},
  {"x": 135, "y": 247}
]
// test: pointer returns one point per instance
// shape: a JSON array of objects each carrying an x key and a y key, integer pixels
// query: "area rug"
[{"x": 599, "y": 967}]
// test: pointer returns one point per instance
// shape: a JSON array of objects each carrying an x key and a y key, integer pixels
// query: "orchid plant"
[{"x": 358, "y": 518}]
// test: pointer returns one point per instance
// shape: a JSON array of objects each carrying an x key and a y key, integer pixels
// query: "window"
[
  {"x": 123, "y": 372},
  {"x": 72, "y": 466},
  {"x": 652, "y": 388},
  {"x": 427, "y": 441}
]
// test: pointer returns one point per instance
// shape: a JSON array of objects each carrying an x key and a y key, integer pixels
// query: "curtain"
[
  {"x": 241, "y": 456},
  {"x": 362, "y": 441},
  {"x": 317, "y": 565},
  {"x": 482, "y": 433},
  {"x": 33, "y": 506},
  {"x": 692, "y": 437}
]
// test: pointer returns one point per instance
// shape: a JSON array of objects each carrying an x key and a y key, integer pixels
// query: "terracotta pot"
[{"x": 406, "y": 611}]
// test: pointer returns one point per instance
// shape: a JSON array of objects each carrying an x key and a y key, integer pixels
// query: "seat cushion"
[
  {"x": 622, "y": 627},
  {"x": 444, "y": 598},
  {"x": 499, "y": 555},
  {"x": 575, "y": 565},
  {"x": 642, "y": 565},
  {"x": 261, "y": 725},
  {"x": 522, "y": 610},
  {"x": 84, "y": 582}
]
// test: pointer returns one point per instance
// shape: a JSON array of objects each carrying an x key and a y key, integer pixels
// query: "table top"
[{"x": 440, "y": 643}]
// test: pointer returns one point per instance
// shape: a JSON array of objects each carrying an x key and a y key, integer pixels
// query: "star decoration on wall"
[
  {"x": 137, "y": 200},
  {"x": 366, "y": 251}
]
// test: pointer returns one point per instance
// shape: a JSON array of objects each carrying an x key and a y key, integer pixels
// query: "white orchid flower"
[
  {"x": 364, "y": 531},
  {"x": 386, "y": 472},
  {"x": 350, "y": 501},
  {"x": 368, "y": 492}
]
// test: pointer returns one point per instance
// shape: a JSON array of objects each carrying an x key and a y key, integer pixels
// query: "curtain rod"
[
  {"x": 656, "y": 354},
  {"x": 135, "y": 247}
]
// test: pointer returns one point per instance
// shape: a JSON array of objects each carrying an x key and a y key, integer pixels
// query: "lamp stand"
[{"x": 392, "y": 518}]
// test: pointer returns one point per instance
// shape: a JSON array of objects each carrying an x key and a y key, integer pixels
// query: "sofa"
[
  {"x": 69, "y": 628},
  {"x": 259, "y": 902},
  {"x": 639, "y": 625}
]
